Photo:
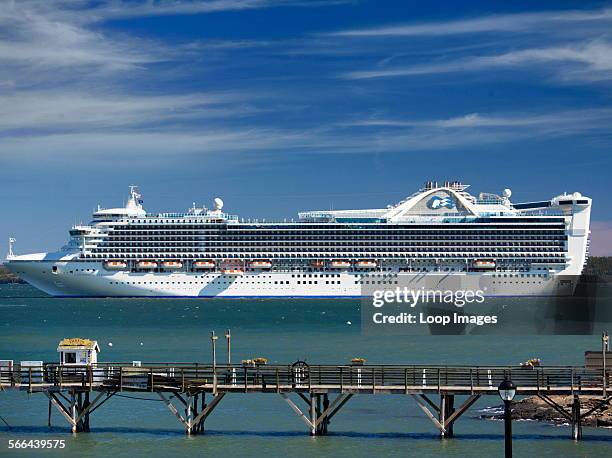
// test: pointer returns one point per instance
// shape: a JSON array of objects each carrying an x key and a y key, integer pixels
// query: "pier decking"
[{"x": 77, "y": 391}]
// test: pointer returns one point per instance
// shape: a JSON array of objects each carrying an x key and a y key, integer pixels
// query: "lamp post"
[
  {"x": 507, "y": 390},
  {"x": 605, "y": 347},
  {"x": 213, "y": 339},
  {"x": 228, "y": 336}
]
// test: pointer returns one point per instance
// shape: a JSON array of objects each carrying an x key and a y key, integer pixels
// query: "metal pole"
[
  {"x": 213, "y": 339},
  {"x": 228, "y": 336},
  {"x": 508, "y": 429},
  {"x": 605, "y": 341}
]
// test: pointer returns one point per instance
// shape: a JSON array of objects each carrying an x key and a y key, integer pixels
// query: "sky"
[{"x": 290, "y": 105}]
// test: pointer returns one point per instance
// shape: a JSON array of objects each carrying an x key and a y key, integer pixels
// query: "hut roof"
[{"x": 77, "y": 343}]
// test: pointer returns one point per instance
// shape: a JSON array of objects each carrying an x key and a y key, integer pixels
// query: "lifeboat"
[
  {"x": 484, "y": 264},
  {"x": 232, "y": 272},
  {"x": 204, "y": 265},
  {"x": 172, "y": 264},
  {"x": 366, "y": 264},
  {"x": 115, "y": 265},
  {"x": 340, "y": 264},
  {"x": 261, "y": 264},
  {"x": 318, "y": 264},
  {"x": 146, "y": 265}
]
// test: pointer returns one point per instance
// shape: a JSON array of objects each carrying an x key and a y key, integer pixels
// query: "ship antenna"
[{"x": 11, "y": 241}]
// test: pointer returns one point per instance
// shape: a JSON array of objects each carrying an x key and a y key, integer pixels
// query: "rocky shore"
[
  {"x": 6, "y": 276},
  {"x": 534, "y": 408}
]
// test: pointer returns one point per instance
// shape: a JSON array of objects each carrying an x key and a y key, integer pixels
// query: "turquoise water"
[{"x": 247, "y": 425}]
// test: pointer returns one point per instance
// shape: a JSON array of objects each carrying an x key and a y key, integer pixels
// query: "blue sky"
[{"x": 281, "y": 106}]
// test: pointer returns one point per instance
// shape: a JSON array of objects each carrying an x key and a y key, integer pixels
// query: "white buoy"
[
  {"x": 349, "y": 323},
  {"x": 110, "y": 344}
]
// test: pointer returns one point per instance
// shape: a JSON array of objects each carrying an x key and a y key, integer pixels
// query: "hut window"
[{"x": 70, "y": 357}]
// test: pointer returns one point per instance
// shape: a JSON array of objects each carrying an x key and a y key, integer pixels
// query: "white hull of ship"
[{"x": 82, "y": 279}]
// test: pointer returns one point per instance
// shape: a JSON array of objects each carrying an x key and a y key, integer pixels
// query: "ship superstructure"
[{"x": 436, "y": 236}]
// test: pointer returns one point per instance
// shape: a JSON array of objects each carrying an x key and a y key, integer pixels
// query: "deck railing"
[{"x": 190, "y": 376}]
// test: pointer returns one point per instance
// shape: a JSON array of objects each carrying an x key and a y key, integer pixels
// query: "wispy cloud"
[
  {"x": 43, "y": 111},
  {"x": 385, "y": 136},
  {"x": 518, "y": 22},
  {"x": 591, "y": 61},
  {"x": 104, "y": 10},
  {"x": 575, "y": 119},
  {"x": 34, "y": 42}
]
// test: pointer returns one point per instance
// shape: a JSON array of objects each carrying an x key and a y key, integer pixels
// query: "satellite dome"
[
  {"x": 577, "y": 195},
  {"x": 218, "y": 203},
  {"x": 507, "y": 193}
]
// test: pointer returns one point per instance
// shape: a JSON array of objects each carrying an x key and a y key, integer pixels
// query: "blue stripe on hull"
[{"x": 274, "y": 297}]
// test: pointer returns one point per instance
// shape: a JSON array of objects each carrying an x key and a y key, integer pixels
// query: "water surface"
[{"x": 284, "y": 331}]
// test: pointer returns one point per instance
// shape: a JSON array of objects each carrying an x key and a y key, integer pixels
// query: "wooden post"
[
  {"x": 576, "y": 419},
  {"x": 313, "y": 415},
  {"x": 447, "y": 409},
  {"x": 49, "y": 420},
  {"x": 245, "y": 379},
  {"x": 326, "y": 419},
  {"x": 195, "y": 427},
  {"x": 320, "y": 426},
  {"x": 86, "y": 416},
  {"x": 203, "y": 407},
  {"x": 442, "y": 413},
  {"x": 73, "y": 411},
  {"x": 79, "y": 407}
]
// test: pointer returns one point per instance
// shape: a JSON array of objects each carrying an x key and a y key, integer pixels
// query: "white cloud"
[
  {"x": 518, "y": 22},
  {"x": 588, "y": 61},
  {"x": 84, "y": 11},
  {"x": 573, "y": 119},
  {"x": 33, "y": 42},
  {"x": 387, "y": 136},
  {"x": 71, "y": 110}
]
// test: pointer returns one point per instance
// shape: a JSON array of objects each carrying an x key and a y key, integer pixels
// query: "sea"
[{"x": 284, "y": 331}]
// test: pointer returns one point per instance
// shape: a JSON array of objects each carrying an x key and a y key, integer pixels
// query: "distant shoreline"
[{"x": 8, "y": 277}]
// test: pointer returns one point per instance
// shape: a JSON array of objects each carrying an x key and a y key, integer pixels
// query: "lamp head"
[{"x": 507, "y": 390}]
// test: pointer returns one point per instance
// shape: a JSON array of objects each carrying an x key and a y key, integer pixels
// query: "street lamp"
[
  {"x": 228, "y": 336},
  {"x": 507, "y": 390},
  {"x": 213, "y": 339}
]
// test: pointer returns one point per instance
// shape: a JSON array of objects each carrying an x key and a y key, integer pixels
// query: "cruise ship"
[{"x": 440, "y": 237}]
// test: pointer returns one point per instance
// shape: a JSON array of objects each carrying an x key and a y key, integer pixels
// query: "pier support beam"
[
  {"x": 576, "y": 419},
  {"x": 193, "y": 421},
  {"x": 575, "y": 416},
  {"x": 447, "y": 408},
  {"x": 320, "y": 410},
  {"x": 76, "y": 407},
  {"x": 447, "y": 414}
]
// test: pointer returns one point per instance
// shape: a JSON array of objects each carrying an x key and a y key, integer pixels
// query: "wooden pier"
[{"x": 193, "y": 391}]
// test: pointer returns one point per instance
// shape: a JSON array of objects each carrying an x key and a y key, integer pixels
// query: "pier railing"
[{"x": 185, "y": 377}]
